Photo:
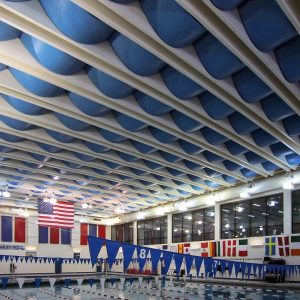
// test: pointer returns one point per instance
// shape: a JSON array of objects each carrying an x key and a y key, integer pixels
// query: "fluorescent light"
[
  {"x": 186, "y": 231},
  {"x": 160, "y": 211},
  {"x": 200, "y": 222},
  {"x": 175, "y": 230},
  {"x": 239, "y": 209},
  {"x": 26, "y": 214},
  {"x": 227, "y": 226},
  {"x": 6, "y": 194},
  {"x": 255, "y": 204},
  {"x": 52, "y": 200},
  {"x": 210, "y": 200},
  {"x": 84, "y": 205},
  {"x": 189, "y": 217},
  {"x": 288, "y": 185},
  {"x": 110, "y": 222}
]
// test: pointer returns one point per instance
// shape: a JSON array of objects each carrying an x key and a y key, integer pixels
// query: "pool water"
[{"x": 144, "y": 291}]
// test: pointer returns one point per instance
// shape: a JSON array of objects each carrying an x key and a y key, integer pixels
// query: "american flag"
[{"x": 59, "y": 215}]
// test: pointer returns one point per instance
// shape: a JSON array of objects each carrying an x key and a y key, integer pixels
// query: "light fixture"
[
  {"x": 211, "y": 199},
  {"x": 271, "y": 203},
  {"x": 183, "y": 206},
  {"x": 175, "y": 230},
  {"x": 141, "y": 215},
  {"x": 110, "y": 222},
  {"x": 82, "y": 220},
  {"x": 240, "y": 209},
  {"x": 120, "y": 209},
  {"x": 288, "y": 182},
  {"x": 52, "y": 199},
  {"x": 186, "y": 231},
  {"x": 6, "y": 193},
  {"x": 246, "y": 192},
  {"x": 200, "y": 222},
  {"x": 26, "y": 214},
  {"x": 84, "y": 205},
  {"x": 157, "y": 228},
  {"x": 160, "y": 211},
  {"x": 227, "y": 226},
  {"x": 189, "y": 217}
]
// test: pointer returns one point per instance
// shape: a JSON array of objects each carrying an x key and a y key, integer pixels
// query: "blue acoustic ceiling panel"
[
  {"x": 16, "y": 124},
  {"x": 227, "y": 4},
  {"x": 171, "y": 22},
  {"x": 135, "y": 58},
  {"x": 75, "y": 22},
  {"x": 60, "y": 137},
  {"x": 189, "y": 148},
  {"x": 184, "y": 122},
  {"x": 72, "y": 123},
  {"x": 129, "y": 123},
  {"x": 8, "y": 32}
]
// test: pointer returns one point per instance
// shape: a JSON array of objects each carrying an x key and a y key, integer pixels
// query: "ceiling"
[{"x": 148, "y": 101}]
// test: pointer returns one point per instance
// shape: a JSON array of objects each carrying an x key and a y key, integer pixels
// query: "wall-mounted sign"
[{"x": 12, "y": 247}]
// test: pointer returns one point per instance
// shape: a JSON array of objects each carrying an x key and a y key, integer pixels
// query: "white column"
[
  {"x": 135, "y": 232},
  {"x": 108, "y": 232},
  {"x": 287, "y": 211},
  {"x": 169, "y": 230},
  {"x": 217, "y": 221},
  {"x": 32, "y": 232}
]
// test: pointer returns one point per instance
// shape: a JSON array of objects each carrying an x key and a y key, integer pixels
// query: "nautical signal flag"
[
  {"x": 92, "y": 230},
  {"x": 295, "y": 245},
  {"x": 208, "y": 249},
  {"x": 270, "y": 246},
  {"x": 283, "y": 245},
  {"x": 229, "y": 248},
  {"x": 184, "y": 248},
  {"x": 243, "y": 248}
]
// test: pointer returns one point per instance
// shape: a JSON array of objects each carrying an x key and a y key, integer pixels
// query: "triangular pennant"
[
  {"x": 155, "y": 256},
  {"x": 79, "y": 281},
  {"x": 131, "y": 279},
  {"x": 67, "y": 282},
  {"x": 1, "y": 257},
  {"x": 254, "y": 269},
  {"x": 37, "y": 282},
  {"x": 230, "y": 267},
  {"x": 112, "y": 248},
  {"x": 45, "y": 260},
  {"x": 198, "y": 263},
  {"x": 128, "y": 251},
  {"x": 20, "y": 282},
  {"x": 208, "y": 264},
  {"x": 52, "y": 282},
  {"x": 6, "y": 257},
  {"x": 223, "y": 265},
  {"x": 142, "y": 254},
  {"x": 91, "y": 281},
  {"x": 243, "y": 268},
  {"x": 260, "y": 269},
  {"x": 249, "y": 269},
  {"x": 21, "y": 259},
  {"x": 167, "y": 258},
  {"x": 237, "y": 266},
  {"x": 35, "y": 259},
  {"x": 4, "y": 281},
  {"x": 189, "y": 259},
  {"x": 17, "y": 258},
  {"x": 178, "y": 258}
]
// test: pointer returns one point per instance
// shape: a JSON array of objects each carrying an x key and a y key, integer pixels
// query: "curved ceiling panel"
[{"x": 200, "y": 117}]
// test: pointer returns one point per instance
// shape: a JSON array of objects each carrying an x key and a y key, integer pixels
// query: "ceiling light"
[
  {"x": 189, "y": 217},
  {"x": 211, "y": 214},
  {"x": 288, "y": 182},
  {"x": 84, "y": 205},
  {"x": 175, "y": 230},
  {"x": 239, "y": 209},
  {"x": 245, "y": 194},
  {"x": 141, "y": 215},
  {"x": 6, "y": 194},
  {"x": 52, "y": 199},
  {"x": 200, "y": 222},
  {"x": 110, "y": 222},
  {"x": 211, "y": 199},
  {"x": 26, "y": 214},
  {"x": 160, "y": 211},
  {"x": 227, "y": 226},
  {"x": 157, "y": 228},
  {"x": 271, "y": 203},
  {"x": 186, "y": 231}
]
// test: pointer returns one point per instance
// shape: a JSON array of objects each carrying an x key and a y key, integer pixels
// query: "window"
[
  {"x": 198, "y": 225},
  {"x": 296, "y": 211},
  {"x": 255, "y": 217},
  {"x": 122, "y": 233},
  {"x": 152, "y": 231},
  {"x": 54, "y": 236}
]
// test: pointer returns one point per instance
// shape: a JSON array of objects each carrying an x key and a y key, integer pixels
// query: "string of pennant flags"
[{"x": 211, "y": 265}]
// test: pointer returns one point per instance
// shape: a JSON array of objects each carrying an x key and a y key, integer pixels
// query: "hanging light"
[
  {"x": 288, "y": 182},
  {"x": 160, "y": 211},
  {"x": 211, "y": 199},
  {"x": 246, "y": 192},
  {"x": 84, "y": 205},
  {"x": 6, "y": 193},
  {"x": 120, "y": 209},
  {"x": 26, "y": 213},
  {"x": 52, "y": 199},
  {"x": 183, "y": 206}
]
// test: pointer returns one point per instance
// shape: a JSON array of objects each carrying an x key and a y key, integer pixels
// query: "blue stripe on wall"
[
  {"x": 6, "y": 229},
  {"x": 65, "y": 236},
  {"x": 43, "y": 235},
  {"x": 93, "y": 230}
]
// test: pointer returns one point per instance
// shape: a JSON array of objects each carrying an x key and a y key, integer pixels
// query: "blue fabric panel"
[
  {"x": 135, "y": 58},
  {"x": 111, "y": 136},
  {"x": 75, "y": 22},
  {"x": 84, "y": 157},
  {"x": 279, "y": 149},
  {"x": 61, "y": 137},
  {"x": 51, "y": 58},
  {"x": 189, "y": 148},
  {"x": 25, "y": 107},
  {"x": 95, "y": 147},
  {"x": 191, "y": 165},
  {"x": 10, "y": 138},
  {"x": 129, "y": 123},
  {"x": 172, "y": 23},
  {"x": 6, "y": 229},
  {"x": 49, "y": 148},
  {"x": 127, "y": 157},
  {"x": 143, "y": 148},
  {"x": 288, "y": 57},
  {"x": 227, "y": 4},
  {"x": 263, "y": 138},
  {"x": 216, "y": 58},
  {"x": 65, "y": 236},
  {"x": 184, "y": 122},
  {"x": 241, "y": 124},
  {"x": 35, "y": 85},
  {"x": 292, "y": 125},
  {"x": 43, "y": 235},
  {"x": 250, "y": 87},
  {"x": 162, "y": 136},
  {"x": 180, "y": 85},
  {"x": 253, "y": 158},
  {"x": 89, "y": 107},
  {"x": 151, "y": 105},
  {"x": 72, "y": 123},
  {"x": 266, "y": 24},
  {"x": 212, "y": 136},
  {"x": 8, "y": 32},
  {"x": 93, "y": 230},
  {"x": 16, "y": 124}
]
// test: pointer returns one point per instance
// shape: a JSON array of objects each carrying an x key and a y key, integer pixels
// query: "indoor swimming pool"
[{"x": 141, "y": 292}]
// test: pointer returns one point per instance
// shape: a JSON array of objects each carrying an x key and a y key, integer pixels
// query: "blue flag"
[
  {"x": 142, "y": 254},
  {"x": 178, "y": 258},
  {"x": 95, "y": 246},
  {"x": 112, "y": 251},
  {"x": 189, "y": 259},
  {"x": 167, "y": 258},
  {"x": 128, "y": 251},
  {"x": 155, "y": 255},
  {"x": 198, "y": 262}
]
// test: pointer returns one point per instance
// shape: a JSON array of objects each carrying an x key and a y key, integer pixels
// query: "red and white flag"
[
  {"x": 60, "y": 214},
  {"x": 204, "y": 249},
  {"x": 284, "y": 245},
  {"x": 229, "y": 248}
]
